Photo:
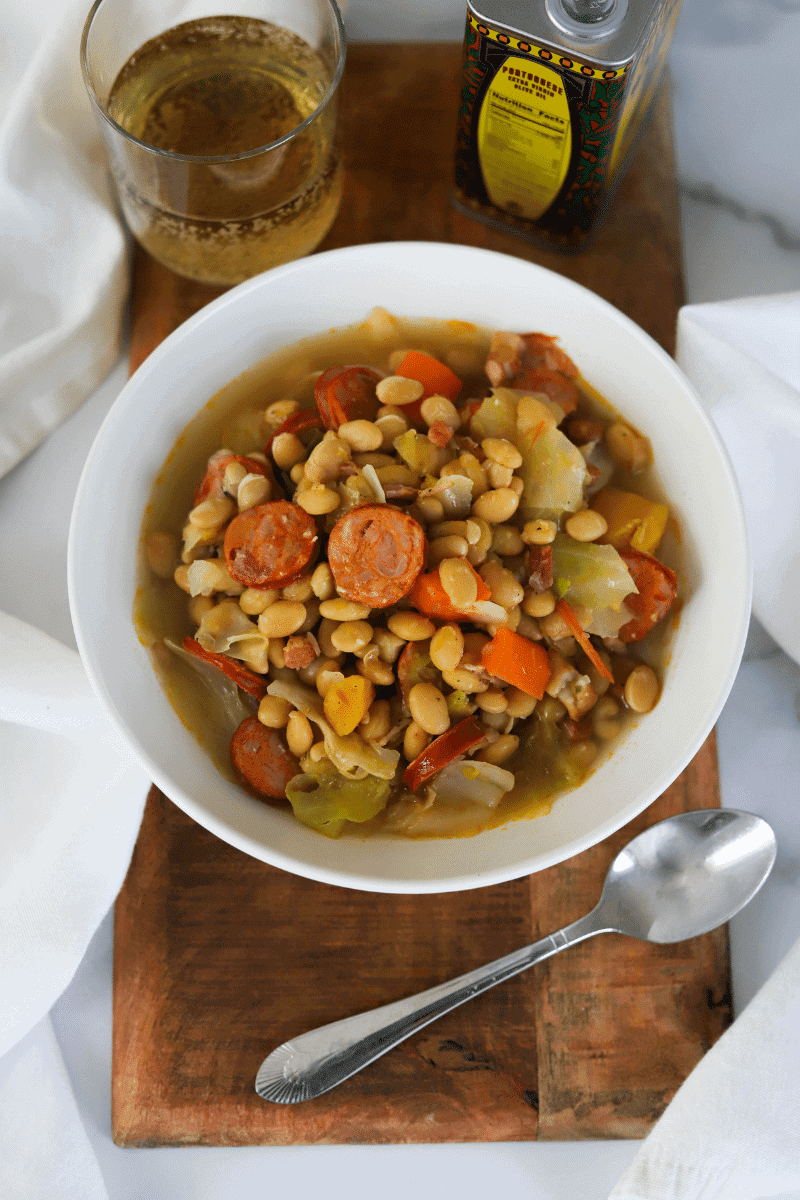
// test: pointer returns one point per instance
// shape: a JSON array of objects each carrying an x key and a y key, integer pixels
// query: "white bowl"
[{"x": 432, "y": 280}]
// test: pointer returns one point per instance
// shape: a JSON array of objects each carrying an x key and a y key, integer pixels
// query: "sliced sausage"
[
  {"x": 542, "y": 350},
  {"x": 300, "y": 651},
  {"x": 533, "y": 361},
  {"x": 557, "y": 387},
  {"x": 211, "y": 483},
  {"x": 346, "y": 394},
  {"x": 261, "y": 758},
  {"x": 271, "y": 545},
  {"x": 510, "y": 354},
  {"x": 296, "y": 422},
  {"x": 582, "y": 431},
  {"x": 658, "y": 587},
  {"x": 540, "y": 568},
  {"x": 376, "y": 553},
  {"x": 416, "y": 666}
]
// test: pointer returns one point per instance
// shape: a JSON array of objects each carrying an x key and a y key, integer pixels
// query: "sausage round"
[
  {"x": 657, "y": 587},
  {"x": 376, "y": 553},
  {"x": 346, "y": 394},
  {"x": 261, "y": 758},
  {"x": 212, "y": 481},
  {"x": 271, "y": 545}
]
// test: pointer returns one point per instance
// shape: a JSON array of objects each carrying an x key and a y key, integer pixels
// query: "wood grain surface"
[{"x": 219, "y": 958}]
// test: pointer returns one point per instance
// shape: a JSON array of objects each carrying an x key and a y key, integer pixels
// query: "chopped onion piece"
[
  {"x": 601, "y": 460},
  {"x": 486, "y": 612},
  {"x": 371, "y": 476},
  {"x": 455, "y": 495}
]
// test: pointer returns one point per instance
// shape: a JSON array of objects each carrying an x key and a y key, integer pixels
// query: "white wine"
[{"x": 225, "y": 88}]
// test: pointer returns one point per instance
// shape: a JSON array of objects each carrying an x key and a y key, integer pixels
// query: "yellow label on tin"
[{"x": 524, "y": 138}]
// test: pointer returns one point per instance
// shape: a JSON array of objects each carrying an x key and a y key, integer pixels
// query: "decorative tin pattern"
[
  {"x": 547, "y": 54},
  {"x": 492, "y": 173}
]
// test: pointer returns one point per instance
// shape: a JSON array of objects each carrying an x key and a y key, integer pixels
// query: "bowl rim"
[{"x": 541, "y": 858}]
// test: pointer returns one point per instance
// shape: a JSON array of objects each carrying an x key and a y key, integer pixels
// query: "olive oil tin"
[{"x": 554, "y": 93}]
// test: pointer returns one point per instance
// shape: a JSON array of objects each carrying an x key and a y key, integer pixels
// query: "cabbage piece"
[
  {"x": 225, "y": 696},
  {"x": 420, "y": 453},
  {"x": 349, "y": 754},
  {"x": 497, "y": 416},
  {"x": 223, "y": 625},
  {"x": 415, "y": 666},
  {"x": 553, "y": 472},
  {"x": 197, "y": 542},
  {"x": 209, "y": 575},
  {"x": 326, "y": 801},
  {"x": 606, "y": 622},
  {"x": 588, "y": 574},
  {"x": 470, "y": 781},
  {"x": 461, "y": 801}
]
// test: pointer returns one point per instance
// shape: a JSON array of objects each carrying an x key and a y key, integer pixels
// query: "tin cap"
[{"x": 588, "y": 20}]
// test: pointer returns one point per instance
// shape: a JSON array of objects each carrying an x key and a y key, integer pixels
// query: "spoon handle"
[{"x": 321, "y": 1059}]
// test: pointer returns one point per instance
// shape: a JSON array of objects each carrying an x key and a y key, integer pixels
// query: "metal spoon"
[{"x": 677, "y": 880}]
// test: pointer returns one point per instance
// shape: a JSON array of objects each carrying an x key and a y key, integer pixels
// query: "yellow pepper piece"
[
  {"x": 634, "y": 523},
  {"x": 347, "y": 702}
]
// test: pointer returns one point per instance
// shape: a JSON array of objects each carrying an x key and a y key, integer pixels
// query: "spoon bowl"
[
  {"x": 687, "y": 875},
  {"x": 678, "y": 879}
]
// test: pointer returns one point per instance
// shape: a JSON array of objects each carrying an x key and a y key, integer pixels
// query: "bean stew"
[{"x": 409, "y": 577}]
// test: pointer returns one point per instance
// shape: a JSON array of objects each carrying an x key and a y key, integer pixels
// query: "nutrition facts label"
[{"x": 524, "y": 138}]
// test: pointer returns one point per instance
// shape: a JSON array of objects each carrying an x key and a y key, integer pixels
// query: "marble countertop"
[{"x": 733, "y": 105}]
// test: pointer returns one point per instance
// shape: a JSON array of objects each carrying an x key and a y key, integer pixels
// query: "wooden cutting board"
[{"x": 219, "y": 958}]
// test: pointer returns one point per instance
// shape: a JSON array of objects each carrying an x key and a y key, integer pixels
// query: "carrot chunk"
[
  {"x": 435, "y": 377},
  {"x": 582, "y": 638},
  {"x": 429, "y": 597},
  {"x": 519, "y": 661}
]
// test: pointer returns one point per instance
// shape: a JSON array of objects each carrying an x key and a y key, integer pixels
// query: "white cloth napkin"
[
  {"x": 70, "y": 810},
  {"x": 743, "y": 357},
  {"x": 46, "y": 1154},
  {"x": 63, "y": 257},
  {"x": 732, "y": 1131},
  {"x": 70, "y": 814}
]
